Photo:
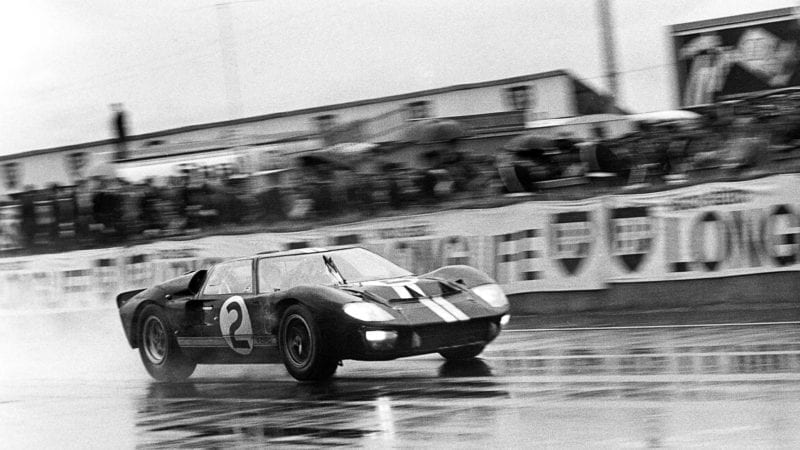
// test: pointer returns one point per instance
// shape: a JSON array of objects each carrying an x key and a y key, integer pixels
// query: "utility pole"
[{"x": 608, "y": 52}]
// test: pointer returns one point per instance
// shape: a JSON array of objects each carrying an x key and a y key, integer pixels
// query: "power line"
[{"x": 640, "y": 69}]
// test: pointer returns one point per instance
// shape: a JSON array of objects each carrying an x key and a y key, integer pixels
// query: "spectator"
[
  {"x": 150, "y": 215},
  {"x": 104, "y": 206},
  {"x": 747, "y": 146},
  {"x": 614, "y": 159},
  {"x": 119, "y": 124},
  {"x": 28, "y": 215},
  {"x": 66, "y": 211},
  {"x": 364, "y": 193},
  {"x": 396, "y": 200},
  {"x": 126, "y": 209},
  {"x": 427, "y": 185},
  {"x": 272, "y": 206},
  {"x": 83, "y": 194},
  {"x": 459, "y": 171}
]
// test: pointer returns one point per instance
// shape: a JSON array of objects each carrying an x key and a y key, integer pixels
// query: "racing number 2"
[{"x": 235, "y": 326}]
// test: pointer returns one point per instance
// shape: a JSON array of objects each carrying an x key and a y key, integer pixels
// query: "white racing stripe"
[
  {"x": 402, "y": 292},
  {"x": 451, "y": 308},
  {"x": 408, "y": 289},
  {"x": 413, "y": 287},
  {"x": 438, "y": 310}
]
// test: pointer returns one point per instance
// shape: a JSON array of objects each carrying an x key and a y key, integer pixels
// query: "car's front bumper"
[{"x": 411, "y": 340}]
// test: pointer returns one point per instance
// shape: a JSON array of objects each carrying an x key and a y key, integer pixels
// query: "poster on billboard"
[{"x": 736, "y": 55}]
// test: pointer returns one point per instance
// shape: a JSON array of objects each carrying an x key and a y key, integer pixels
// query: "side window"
[
  {"x": 11, "y": 175},
  {"x": 518, "y": 98},
  {"x": 325, "y": 123},
  {"x": 270, "y": 273},
  {"x": 419, "y": 109},
  {"x": 76, "y": 165},
  {"x": 235, "y": 277}
]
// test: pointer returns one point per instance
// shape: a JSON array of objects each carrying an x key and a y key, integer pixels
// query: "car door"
[{"x": 229, "y": 308}]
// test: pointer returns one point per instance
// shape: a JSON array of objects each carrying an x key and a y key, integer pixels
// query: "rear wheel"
[
  {"x": 303, "y": 349},
  {"x": 158, "y": 348},
  {"x": 462, "y": 353}
]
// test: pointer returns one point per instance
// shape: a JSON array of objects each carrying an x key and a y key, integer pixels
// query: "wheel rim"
[
  {"x": 154, "y": 340},
  {"x": 298, "y": 343}
]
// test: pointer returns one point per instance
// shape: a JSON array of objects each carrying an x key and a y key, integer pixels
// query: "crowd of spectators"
[
  {"x": 103, "y": 211},
  {"x": 106, "y": 211},
  {"x": 725, "y": 139}
]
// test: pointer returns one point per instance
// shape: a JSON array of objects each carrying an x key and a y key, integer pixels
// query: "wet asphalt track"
[{"x": 69, "y": 381}]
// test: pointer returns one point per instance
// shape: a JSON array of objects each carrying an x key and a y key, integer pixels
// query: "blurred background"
[{"x": 254, "y": 115}]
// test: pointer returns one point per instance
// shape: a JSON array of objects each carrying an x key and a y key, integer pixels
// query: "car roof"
[{"x": 297, "y": 251}]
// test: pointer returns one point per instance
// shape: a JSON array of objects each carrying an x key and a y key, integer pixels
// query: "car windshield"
[{"x": 353, "y": 265}]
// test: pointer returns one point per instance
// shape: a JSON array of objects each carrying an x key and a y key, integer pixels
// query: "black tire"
[
  {"x": 158, "y": 348},
  {"x": 462, "y": 353},
  {"x": 305, "y": 352}
]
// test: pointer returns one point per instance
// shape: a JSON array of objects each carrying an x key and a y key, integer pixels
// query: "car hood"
[
  {"x": 399, "y": 289},
  {"x": 424, "y": 299}
]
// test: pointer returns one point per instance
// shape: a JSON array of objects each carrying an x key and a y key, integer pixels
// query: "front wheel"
[
  {"x": 462, "y": 353},
  {"x": 159, "y": 350},
  {"x": 304, "y": 351}
]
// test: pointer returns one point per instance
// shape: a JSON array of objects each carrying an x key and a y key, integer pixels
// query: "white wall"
[
  {"x": 42, "y": 169},
  {"x": 551, "y": 97}
]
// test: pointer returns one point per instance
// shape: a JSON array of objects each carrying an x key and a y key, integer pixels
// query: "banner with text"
[{"x": 709, "y": 230}]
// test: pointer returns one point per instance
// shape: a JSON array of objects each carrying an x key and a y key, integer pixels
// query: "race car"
[{"x": 310, "y": 309}]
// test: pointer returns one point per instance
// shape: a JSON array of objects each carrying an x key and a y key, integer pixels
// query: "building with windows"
[{"x": 494, "y": 111}]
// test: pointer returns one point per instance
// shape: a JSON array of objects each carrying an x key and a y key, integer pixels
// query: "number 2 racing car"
[{"x": 310, "y": 309}]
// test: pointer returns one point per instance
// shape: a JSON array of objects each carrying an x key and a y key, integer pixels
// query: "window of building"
[
  {"x": 76, "y": 163},
  {"x": 420, "y": 109},
  {"x": 11, "y": 175},
  {"x": 325, "y": 123},
  {"x": 519, "y": 98}
]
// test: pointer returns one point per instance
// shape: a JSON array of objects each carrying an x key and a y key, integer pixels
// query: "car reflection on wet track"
[
  {"x": 415, "y": 413},
  {"x": 260, "y": 412},
  {"x": 462, "y": 404}
]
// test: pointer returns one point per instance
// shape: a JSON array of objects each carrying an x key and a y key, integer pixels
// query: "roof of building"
[
  {"x": 733, "y": 20},
  {"x": 297, "y": 112}
]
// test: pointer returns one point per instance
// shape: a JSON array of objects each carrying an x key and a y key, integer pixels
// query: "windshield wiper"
[{"x": 333, "y": 269}]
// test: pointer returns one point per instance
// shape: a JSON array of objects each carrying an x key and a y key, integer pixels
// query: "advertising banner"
[
  {"x": 709, "y": 230},
  {"x": 559, "y": 249},
  {"x": 736, "y": 55}
]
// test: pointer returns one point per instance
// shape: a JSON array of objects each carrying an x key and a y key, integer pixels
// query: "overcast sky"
[{"x": 65, "y": 61}]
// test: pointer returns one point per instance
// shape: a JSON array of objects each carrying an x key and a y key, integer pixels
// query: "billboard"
[{"x": 736, "y": 55}]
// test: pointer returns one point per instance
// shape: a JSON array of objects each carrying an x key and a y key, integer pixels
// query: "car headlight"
[
  {"x": 367, "y": 312},
  {"x": 491, "y": 294}
]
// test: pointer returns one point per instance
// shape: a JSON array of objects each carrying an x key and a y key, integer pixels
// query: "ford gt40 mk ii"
[{"x": 310, "y": 309}]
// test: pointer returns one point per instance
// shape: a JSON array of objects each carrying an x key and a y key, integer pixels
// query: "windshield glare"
[{"x": 355, "y": 265}]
